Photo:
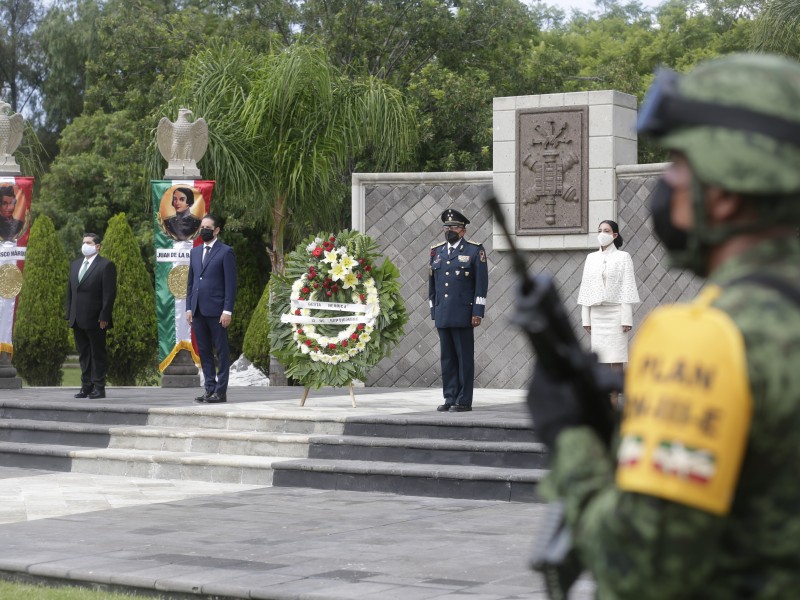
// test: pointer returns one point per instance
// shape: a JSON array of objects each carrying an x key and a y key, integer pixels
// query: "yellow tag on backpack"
[{"x": 688, "y": 407}]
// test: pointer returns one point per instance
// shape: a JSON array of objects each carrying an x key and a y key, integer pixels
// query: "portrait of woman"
[
  {"x": 181, "y": 223},
  {"x": 607, "y": 295}
]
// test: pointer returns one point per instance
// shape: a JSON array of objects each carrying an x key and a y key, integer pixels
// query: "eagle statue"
[
  {"x": 11, "y": 128},
  {"x": 182, "y": 143}
]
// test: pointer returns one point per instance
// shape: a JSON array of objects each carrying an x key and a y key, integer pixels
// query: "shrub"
[
  {"x": 251, "y": 286},
  {"x": 256, "y": 346},
  {"x": 41, "y": 334},
  {"x": 132, "y": 341}
]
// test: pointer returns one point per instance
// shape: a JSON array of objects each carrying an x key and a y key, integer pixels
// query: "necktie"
[
  {"x": 83, "y": 270},
  {"x": 205, "y": 253},
  {"x": 451, "y": 251}
]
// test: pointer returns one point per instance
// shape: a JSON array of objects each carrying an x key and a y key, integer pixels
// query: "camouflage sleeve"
[{"x": 635, "y": 546}]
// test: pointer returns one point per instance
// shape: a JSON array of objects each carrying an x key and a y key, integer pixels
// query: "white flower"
[
  {"x": 315, "y": 356},
  {"x": 361, "y": 345},
  {"x": 312, "y": 245},
  {"x": 305, "y": 312},
  {"x": 338, "y": 272},
  {"x": 368, "y": 328},
  {"x": 348, "y": 262},
  {"x": 309, "y": 329},
  {"x": 352, "y": 352},
  {"x": 364, "y": 337},
  {"x": 304, "y": 349},
  {"x": 330, "y": 257},
  {"x": 350, "y": 280}
]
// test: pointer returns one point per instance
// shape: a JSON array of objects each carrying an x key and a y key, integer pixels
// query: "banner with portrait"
[
  {"x": 15, "y": 220},
  {"x": 178, "y": 209}
]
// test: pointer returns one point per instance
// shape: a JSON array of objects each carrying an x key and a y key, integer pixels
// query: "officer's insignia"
[
  {"x": 458, "y": 273},
  {"x": 482, "y": 256},
  {"x": 463, "y": 258},
  {"x": 437, "y": 260},
  {"x": 688, "y": 407}
]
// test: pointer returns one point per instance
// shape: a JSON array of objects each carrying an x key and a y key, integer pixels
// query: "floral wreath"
[{"x": 335, "y": 314}]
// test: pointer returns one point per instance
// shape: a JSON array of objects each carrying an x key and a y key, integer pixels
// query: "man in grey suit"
[
  {"x": 91, "y": 291},
  {"x": 210, "y": 294}
]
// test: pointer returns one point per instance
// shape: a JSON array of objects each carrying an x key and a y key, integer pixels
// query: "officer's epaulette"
[
  {"x": 439, "y": 244},
  {"x": 474, "y": 243}
]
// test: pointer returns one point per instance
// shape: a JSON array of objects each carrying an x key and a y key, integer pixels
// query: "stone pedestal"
[
  {"x": 277, "y": 374},
  {"x": 8, "y": 374},
  {"x": 181, "y": 373}
]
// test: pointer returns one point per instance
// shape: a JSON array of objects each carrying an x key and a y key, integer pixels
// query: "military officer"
[
  {"x": 701, "y": 497},
  {"x": 457, "y": 287}
]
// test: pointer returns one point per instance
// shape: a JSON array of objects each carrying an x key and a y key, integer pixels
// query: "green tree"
[
  {"x": 99, "y": 173},
  {"x": 19, "y": 54},
  {"x": 256, "y": 346},
  {"x": 777, "y": 28},
  {"x": 284, "y": 129},
  {"x": 251, "y": 284},
  {"x": 132, "y": 341},
  {"x": 41, "y": 335}
]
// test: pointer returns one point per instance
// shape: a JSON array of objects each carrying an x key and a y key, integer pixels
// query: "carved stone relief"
[{"x": 552, "y": 171}]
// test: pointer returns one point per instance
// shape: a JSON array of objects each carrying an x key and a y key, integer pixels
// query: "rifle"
[{"x": 542, "y": 316}]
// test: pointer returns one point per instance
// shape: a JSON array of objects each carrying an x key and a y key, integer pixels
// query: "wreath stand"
[{"x": 306, "y": 390}]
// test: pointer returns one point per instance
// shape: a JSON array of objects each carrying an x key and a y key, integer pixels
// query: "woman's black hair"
[
  {"x": 188, "y": 193},
  {"x": 615, "y": 228}
]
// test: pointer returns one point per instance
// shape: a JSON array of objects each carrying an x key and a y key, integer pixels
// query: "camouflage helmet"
[{"x": 735, "y": 118}]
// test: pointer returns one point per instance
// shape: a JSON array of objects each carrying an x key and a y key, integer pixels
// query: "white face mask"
[
  {"x": 604, "y": 238},
  {"x": 88, "y": 250}
]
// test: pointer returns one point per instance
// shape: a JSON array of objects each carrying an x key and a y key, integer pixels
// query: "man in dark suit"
[
  {"x": 457, "y": 286},
  {"x": 210, "y": 295},
  {"x": 91, "y": 291}
]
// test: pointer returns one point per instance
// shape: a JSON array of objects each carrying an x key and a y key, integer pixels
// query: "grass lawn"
[{"x": 20, "y": 591}]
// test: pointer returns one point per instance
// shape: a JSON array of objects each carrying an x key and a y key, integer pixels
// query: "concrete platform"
[{"x": 185, "y": 539}]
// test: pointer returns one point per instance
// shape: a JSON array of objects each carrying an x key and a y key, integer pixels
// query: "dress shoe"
[
  {"x": 84, "y": 393},
  {"x": 444, "y": 407},
  {"x": 460, "y": 408},
  {"x": 204, "y": 397},
  {"x": 97, "y": 394},
  {"x": 216, "y": 398}
]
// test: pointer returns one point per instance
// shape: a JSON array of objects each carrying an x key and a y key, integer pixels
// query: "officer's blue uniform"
[{"x": 457, "y": 289}]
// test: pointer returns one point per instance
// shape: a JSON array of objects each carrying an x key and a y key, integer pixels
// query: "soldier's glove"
[{"x": 557, "y": 405}]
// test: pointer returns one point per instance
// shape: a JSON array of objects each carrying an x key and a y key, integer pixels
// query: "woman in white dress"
[{"x": 607, "y": 295}]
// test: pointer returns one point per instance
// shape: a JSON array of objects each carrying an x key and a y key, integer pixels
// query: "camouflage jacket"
[{"x": 640, "y": 546}]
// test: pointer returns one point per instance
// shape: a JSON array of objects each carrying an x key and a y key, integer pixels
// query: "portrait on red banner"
[
  {"x": 14, "y": 213},
  {"x": 181, "y": 209}
]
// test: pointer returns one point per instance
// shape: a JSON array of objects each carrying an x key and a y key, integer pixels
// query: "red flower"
[
  {"x": 328, "y": 293},
  {"x": 360, "y": 326},
  {"x": 335, "y": 288},
  {"x": 305, "y": 290},
  {"x": 332, "y": 346},
  {"x": 359, "y": 275},
  {"x": 361, "y": 297},
  {"x": 308, "y": 343},
  {"x": 300, "y": 331},
  {"x": 354, "y": 336},
  {"x": 368, "y": 268},
  {"x": 332, "y": 239},
  {"x": 297, "y": 312},
  {"x": 361, "y": 261},
  {"x": 316, "y": 348},
  {"x": 317, "y": 252},
  {"x": 316, "y": 286},
  {"x": 344, "y": 343}
]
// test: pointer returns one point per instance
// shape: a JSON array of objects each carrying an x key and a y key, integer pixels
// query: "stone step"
[
  {"x": 248, "y": 443},
  {"x": 470, "y": 426},
  {"x": 478, "y": 483}
]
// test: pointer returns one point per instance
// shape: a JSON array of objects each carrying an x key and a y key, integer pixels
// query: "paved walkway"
[{"x": 232, "y": 541}]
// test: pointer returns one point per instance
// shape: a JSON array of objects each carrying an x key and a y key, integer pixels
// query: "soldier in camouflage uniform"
[{"x": 700, "y": 497}]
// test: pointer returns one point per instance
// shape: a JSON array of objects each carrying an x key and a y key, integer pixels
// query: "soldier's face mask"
[
  {"x": 674, "y": 239},
  {"x": 451, "y": 234}
]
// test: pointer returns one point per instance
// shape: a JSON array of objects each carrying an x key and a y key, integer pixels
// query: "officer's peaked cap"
[{"x": 453, "y": 217}]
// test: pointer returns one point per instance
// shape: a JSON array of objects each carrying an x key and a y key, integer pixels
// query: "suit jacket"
[
  {"x": 211, "y": 286},
  {"x": 92, "y": 299},
  {"x": 457, "y": 285}
]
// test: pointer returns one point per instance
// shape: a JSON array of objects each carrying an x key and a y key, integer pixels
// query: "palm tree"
[
  {"x": 777, "y": 26},
  {"x": 285, "y": 129}
]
